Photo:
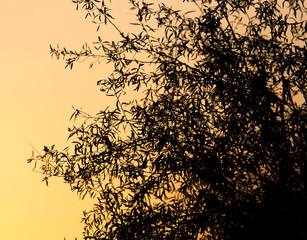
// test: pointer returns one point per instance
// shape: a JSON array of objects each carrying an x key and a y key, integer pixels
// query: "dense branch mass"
[{"x": 216, "y": 146}]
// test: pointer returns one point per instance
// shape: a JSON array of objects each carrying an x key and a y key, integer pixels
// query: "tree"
[{"x": 216, "y": 146}]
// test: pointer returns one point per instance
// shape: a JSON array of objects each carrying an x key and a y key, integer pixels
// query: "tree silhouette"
[{"x": 215, "y": 147}]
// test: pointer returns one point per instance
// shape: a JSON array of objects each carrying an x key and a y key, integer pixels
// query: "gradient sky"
[{"x": 36, "y": 99}]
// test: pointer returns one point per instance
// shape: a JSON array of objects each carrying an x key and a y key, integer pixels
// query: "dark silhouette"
[{"x": 216, "y": 146}]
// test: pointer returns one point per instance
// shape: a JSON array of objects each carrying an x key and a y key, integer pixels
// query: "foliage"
[{"x": 216, "y": 146}]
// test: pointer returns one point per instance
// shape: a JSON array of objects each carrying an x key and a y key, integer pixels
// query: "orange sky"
[{"x": 36, "y": 99}]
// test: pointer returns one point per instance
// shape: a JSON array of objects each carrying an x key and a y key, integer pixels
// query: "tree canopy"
[{"x": 215, "y": 146}]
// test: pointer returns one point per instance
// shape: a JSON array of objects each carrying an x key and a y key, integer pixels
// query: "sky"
[{"x": 37, "y": 94}]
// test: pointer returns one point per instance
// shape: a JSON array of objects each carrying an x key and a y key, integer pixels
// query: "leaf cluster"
[{"x": 216, "y": 146}]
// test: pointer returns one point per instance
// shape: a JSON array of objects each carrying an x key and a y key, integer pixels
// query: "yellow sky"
[{"x": 36, "y": 99}]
